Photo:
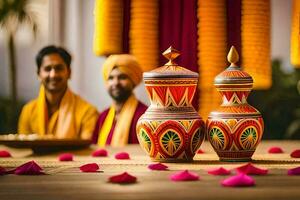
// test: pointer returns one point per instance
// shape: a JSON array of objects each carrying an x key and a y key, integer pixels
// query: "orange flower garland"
[
  {"x": 108, "y": 27},
  {"x": 256, "y": 41},
  {"x": 295, "y": 34},
  {"x": 212, "y": 51},
  {"x": 143, "y": 34}
]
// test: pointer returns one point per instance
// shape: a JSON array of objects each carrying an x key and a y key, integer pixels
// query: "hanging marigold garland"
[
  {"x": 255, "y": 29},
  {"x": 143, "y": 34},
  {"x": 211, "y": 51},
  {"x": 295, "y": 34},
  {"x": 108, "y": 16}
]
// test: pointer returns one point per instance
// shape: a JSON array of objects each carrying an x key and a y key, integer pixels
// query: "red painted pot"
[
  {"x": 171, "y": 130},
  {"x": 235, "y": 128}
]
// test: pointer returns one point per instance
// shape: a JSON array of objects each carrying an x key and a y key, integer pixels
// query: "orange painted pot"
[
  {"x": 171, "y": 130},
  {"x": 235, "y": 128}
]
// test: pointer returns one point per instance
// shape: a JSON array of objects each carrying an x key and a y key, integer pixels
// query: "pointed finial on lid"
[
  {"x": 233, "y": 56},
  {"x": 171, "y": 54}
]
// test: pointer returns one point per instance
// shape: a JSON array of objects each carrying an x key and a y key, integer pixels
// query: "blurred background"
[{"x": 265, "y": 33}]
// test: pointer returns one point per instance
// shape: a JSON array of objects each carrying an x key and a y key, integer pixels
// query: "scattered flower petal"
[
  {"x": 65, "y": 157},
  {"x": 200, "y": 151},
  {"x": 184, "y": 176},
  {"x": 240, "y": 180},
  {"x": 251, "y": 170},
  {"x": 295, "y": 153},
  {"x": 294, "y": 171},
  {"x": 100, "y": 153},
  {"x": 4, "y": 154},
  {"x": 122, "y": 156},
  {"x": 158, "y": 166},
  {"x": 122, "y": 178},
  {"x": 91, "y": 167},
  {"x": 2, "y": 171},
  {"x": 219, "y": 171},
  {"x": 275, "y": 150},
  {"x": 29, "y": 168}
]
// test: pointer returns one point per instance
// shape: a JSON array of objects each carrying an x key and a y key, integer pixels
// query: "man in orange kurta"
[{"x": 57, "y": 111}]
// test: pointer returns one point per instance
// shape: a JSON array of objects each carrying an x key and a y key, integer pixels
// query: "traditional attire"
[
  {"x": 74, "y": 119},
  {"x": 108, "y": 131}
]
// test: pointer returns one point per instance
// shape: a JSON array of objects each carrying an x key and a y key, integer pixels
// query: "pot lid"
[
  {"x": 233, "y": 74},
  {"x": 170, "y": 69}
]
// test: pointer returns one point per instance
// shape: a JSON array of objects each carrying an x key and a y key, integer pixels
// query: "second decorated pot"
[{"x": 235, "y": 128}]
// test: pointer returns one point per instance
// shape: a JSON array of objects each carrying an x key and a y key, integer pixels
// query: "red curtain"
[
  {"x": 234, "y": 8},
  {"x": 126, "y": 25}
]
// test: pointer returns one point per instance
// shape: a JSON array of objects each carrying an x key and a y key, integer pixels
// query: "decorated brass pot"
[
  {"x": 171, "y": 130},
  {"x": 235, "y": 128}
]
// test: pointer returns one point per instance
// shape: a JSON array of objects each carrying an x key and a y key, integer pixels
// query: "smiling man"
[
  {"x": 116, "y": 126},
  {"x": 57, "y": 111}
]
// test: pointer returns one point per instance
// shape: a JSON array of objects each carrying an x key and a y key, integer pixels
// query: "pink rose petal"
[
  {"x": 295, "y": 153},
  {"x": 100, "y": 153},
  {"x": 240, "y": 180},
  {"x": 91, "y": 167},
  {"x": 294, "y": 171},
  {"x": 200, "y": 151},
  {"x": 65, "y": 157},
  {"x": 251, "y": 170},
  {"x": 122, "y": 178},
  {"x": 275, "y": 150},
  {"x": 184, "y": 176},
  {"x": 4, "y": 154},
  {"x": 29, "y": 168},
  {"x": 2, "y": 171},
  {"x": 158, "y": 166},
  {"x": 219, "y": 171},
  {"x": 122, "y": 156}
]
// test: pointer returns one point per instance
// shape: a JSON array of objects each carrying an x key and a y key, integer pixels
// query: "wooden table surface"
[{"x": 65, "y": 181}]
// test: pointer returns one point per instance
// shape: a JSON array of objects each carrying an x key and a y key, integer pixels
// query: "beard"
[{"x": 120, "y": 94}]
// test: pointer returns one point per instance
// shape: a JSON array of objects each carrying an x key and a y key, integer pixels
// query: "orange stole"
[{"x": 122, "y": 128}]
